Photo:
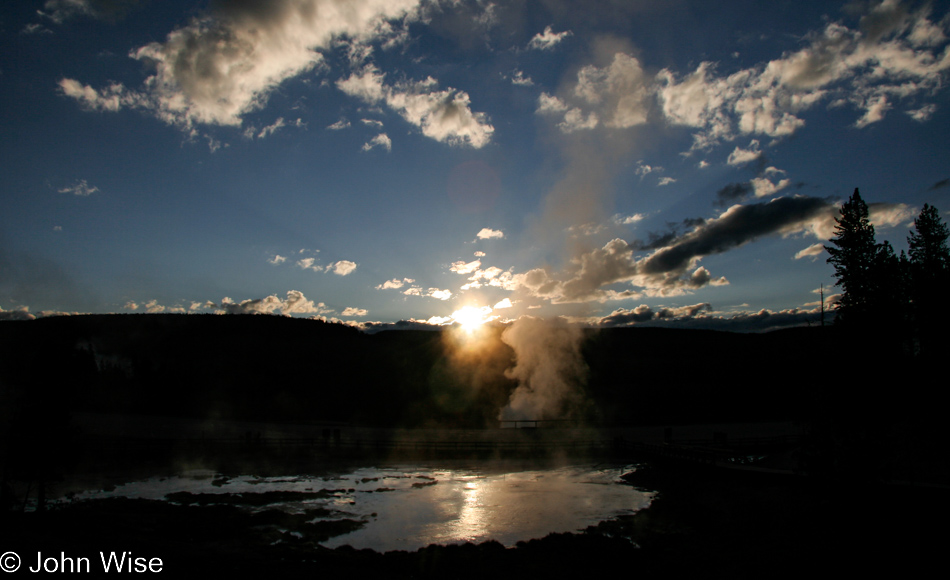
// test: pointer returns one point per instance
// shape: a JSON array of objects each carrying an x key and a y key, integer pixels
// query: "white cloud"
[
  {"x": 741, "y": 156},
  {"x": 810, "y": 252},
  {"x": 666, "y": 181},
  {"x": 875, "y": 109},
  {"x": 861, "y": 67},
  {"x": 548, "y": 39},
  {"x": 341, "y": 124},
  {"x": 80, "y": 188},
  {"x": 617, "y": 95},
  {"x": 439, "y": 294},
  {"x": 506, "y": 303},
  {"x": 430, "y": 293},
  {"x": 350, "y": 311},
  {"x": 628, "y": 219},
  {"x": 491, "y": 276},
  {"x": 272, "y": 128},
  {"x": 643, "y": 169},
  {"x": 489, "y": 234},
  {"x": 382, "y": 141},
  {"x": 295, "y": 303},
  {"x": 395, "y": 283},
  {"x": 888, "y": 215},
  {"x": 21, "y": 313},
  {"x": 277, "y": 259},
  {"x": 549, "y": 104},
  {"x": 463, "y": 268},
  {"x": 763, "y": 187},
  {"x": 342, "y": 268},
  {"x": 923, "y": 114},
  {"x": 518, "y": 78},
  {"x": 307, "y": 264},
  {"x": 224, "y": 64},
  {"x": 443, "y": 115}
]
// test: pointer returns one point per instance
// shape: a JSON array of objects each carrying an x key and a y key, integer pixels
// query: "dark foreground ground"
[{"x": 704, "y": 522}]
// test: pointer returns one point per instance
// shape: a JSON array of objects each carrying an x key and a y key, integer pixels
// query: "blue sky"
[{"x": 373, "y": 161}]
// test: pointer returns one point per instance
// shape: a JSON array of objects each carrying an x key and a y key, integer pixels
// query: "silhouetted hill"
[{"x": 285, "y": 369}]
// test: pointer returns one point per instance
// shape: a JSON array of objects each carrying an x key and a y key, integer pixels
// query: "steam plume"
[{"x": 550, "y": 369}]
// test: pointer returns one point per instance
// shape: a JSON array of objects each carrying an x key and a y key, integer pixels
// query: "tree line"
[{"x": 897, "y": 296}]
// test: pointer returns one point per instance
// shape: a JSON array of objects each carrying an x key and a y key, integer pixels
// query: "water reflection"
[{"x": 408, "y": 507}]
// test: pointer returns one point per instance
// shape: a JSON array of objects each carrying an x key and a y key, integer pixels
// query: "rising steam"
[{"x": 549, "y": 369}]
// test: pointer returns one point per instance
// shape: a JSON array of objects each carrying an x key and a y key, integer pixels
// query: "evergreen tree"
[
  {"x": 928, "y": 245},
  {"x": 855, "y": 256},
  {"x": 930, "y": 276}
]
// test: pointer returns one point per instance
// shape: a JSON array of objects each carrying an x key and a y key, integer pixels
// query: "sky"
[{"x": 398, "y": 163}]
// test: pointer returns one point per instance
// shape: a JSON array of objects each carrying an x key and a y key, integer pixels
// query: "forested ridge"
[{"x": 285, "y": 369}]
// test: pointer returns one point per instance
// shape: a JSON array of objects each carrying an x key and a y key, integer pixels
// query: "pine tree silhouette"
[
  {"x": 929, "y": 275},
  {"x": 855, "y": 255}
]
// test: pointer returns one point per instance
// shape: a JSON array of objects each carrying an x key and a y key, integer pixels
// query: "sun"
[{"x": 471, "y": 317}]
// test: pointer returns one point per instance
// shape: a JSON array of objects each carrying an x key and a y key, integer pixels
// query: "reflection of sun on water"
[{"x": 471, "y": 525}]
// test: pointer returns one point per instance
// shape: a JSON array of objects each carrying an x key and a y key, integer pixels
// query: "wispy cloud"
[
  {"x": 811, "y": 251},
  {"x": 225, "y": 63},
  {"x": 436, "y": 293},
  {"x": 548, "y": 39},
  {"x": 381, "y": 141},
  {"x": 394, "y": 284},
  {"x": 870, "y": 68},
  {"x": 443, "y": 115},
  {"x": 80, "y": 188},
  {"x": 616, "y": 95}
]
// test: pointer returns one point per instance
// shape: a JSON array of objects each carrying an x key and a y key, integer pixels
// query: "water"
[{"x": 409, "y": 507}]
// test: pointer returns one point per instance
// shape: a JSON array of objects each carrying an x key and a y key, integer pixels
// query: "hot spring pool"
[{"x": 407, "y": 507}]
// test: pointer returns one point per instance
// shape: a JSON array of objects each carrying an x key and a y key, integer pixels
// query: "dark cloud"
[
  {"x": 761, "y": 321},
  {"x": 643, "y": 313},
  {"x": 657, "y": 240},
  {"x": 733, "y": 192},
  {"x": 374, "y": 327},
  {"x": 940, "y": 184},
  {"x": 673, "y": 268},
  {"x": 738, "y": 225}
]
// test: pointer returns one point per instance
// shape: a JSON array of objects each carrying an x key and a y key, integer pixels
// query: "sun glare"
[{"x": 471, "y": 317}]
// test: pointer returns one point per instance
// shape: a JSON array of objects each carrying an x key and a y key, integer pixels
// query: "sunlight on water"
[{"x": 405, "y": 508}]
